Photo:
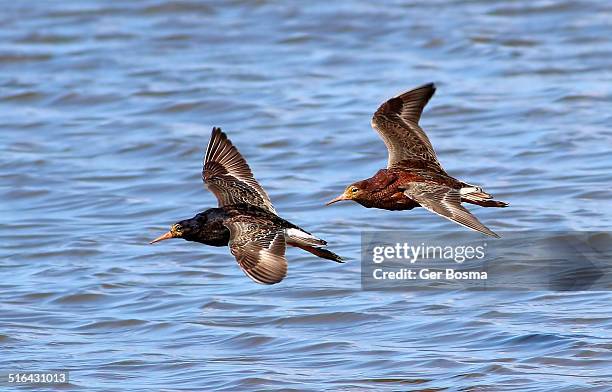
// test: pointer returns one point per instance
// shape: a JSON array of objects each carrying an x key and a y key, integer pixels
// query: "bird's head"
[
  {"x": 353, "y": 192},
  {"x": 206, "y": 227},
  {"x": 183, "y": 229}
]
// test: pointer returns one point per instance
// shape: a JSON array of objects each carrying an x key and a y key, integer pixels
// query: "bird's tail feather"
[
  {"x": 320, "y": 252},
  {"x": 475, "y": 195}
]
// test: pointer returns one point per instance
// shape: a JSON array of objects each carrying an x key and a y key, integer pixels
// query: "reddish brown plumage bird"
[{"x": 414, "y": 177}]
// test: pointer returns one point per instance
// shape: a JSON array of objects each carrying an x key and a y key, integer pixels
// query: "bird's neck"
[{"x": 209, "y": 228}]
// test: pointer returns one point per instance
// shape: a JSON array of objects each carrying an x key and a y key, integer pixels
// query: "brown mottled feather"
[
  {"x": 229, "y": 177},
  {"x": 259, "y": 248},
  {"x": 445, "y": 202},
  {"x": 397, "y": 123}
]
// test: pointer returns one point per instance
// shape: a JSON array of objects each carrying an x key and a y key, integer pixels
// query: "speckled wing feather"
[
  {"x": 445, "y": 202},
  {"x": 229, "y": 177},
  {"x": 259, "y": 248},
  {"x": 397, "y": 123}
]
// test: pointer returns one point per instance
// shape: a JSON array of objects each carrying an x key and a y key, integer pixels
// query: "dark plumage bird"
[
  {"x": 245, "y": 219},
  {"x": 413, "y": 176}
]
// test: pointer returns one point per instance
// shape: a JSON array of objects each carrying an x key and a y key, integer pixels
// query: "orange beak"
[
  {"x": 162, "y": 237},
  {"x": 337, "y": 199}
]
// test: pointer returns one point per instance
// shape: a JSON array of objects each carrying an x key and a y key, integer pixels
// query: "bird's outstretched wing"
[
  {"x": 397, "y": 123},
  {"x": 259, "y": 248},
  {"x": 445, "y": 202},
  {"x": 229, "y": 177}
]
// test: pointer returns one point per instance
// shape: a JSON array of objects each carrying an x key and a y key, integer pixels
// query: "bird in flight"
[
  {"x": 245, "y": 219},
  {"x": 413, "y": 176}
]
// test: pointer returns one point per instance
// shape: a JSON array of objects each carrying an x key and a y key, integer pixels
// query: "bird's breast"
[
  {"x": 389, "y": 198},
  {"x": 396, "y": 201}
]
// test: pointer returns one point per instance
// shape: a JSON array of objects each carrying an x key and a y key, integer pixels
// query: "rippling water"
[{"x": 105, "y": 111}]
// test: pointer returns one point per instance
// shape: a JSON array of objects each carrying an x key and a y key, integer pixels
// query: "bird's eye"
[
  {"x": 178, "y": 229},
  {"x": 354, "y": 190}
]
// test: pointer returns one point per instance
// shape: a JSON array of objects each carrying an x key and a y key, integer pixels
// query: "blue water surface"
[{"x": 105, "y": 111}]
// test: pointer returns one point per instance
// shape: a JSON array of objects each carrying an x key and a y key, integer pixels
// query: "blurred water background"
[{"x": 106, "y": 108}]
